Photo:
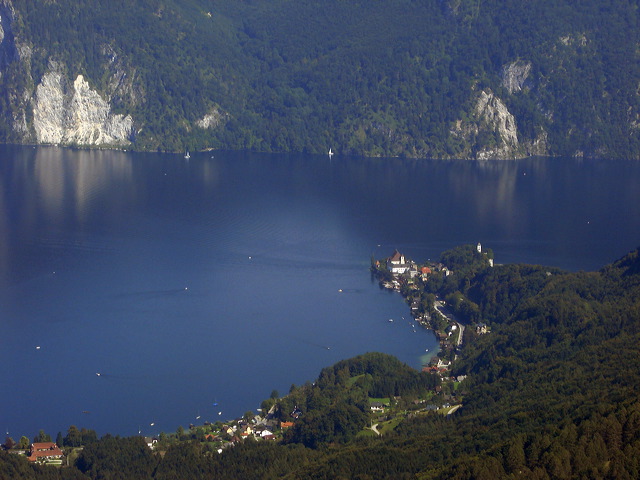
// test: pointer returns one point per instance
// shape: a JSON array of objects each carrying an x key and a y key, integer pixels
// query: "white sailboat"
[
  {"x": 187, "y": 156},
  {"x": 330, "y": 153}
]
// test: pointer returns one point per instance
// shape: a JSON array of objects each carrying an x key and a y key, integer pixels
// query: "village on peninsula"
[{"x": 410, "y": 279}]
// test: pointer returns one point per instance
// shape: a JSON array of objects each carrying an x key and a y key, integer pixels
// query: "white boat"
[
  {"x": 187, "y": 156},
  {"x": 330, "y": 153}
]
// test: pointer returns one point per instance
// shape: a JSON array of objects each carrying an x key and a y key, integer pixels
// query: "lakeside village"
[
  {"x": 410, "y": 279},
  {"x": 416, "y": 283}
]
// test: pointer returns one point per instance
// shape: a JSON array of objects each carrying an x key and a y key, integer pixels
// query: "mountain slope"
[{"x": 452, "y": 78}]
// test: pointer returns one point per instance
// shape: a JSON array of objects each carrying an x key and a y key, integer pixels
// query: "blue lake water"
[{"x": 196, "y": 287}]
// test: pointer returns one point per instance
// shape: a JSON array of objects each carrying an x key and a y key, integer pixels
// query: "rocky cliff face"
[
  {"x": 213, "y": 119},
  {"x": 58, "y": 110},
  {"x": 496, "y": 115},
  {"x": 75, "y": 114},
  {"x": 514, "y": 75},
  {"x": 491, "y": 131}
]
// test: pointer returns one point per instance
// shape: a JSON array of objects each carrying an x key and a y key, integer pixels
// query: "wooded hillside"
[{"x": 451, "y": 79}]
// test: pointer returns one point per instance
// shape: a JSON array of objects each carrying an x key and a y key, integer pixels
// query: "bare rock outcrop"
[
  {"x": 495, "y": 113},
  {"x": 491, "y": 131},
  {"x": 75, "y": 114},
  {"x": 514, "y": 75},
  {"x": 214, "y": 118}
]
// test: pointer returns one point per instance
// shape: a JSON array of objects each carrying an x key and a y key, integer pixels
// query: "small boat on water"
[
  {"x": 330, "y": 153},
  {"x": 390, "y": 320},
  {"x": 186, "y": 155}
]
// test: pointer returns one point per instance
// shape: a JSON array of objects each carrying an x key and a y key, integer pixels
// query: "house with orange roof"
[{"x": 44, "y": 452}]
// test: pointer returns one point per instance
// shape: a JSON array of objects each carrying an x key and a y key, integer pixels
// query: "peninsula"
[{"x": 427, "y": 289}]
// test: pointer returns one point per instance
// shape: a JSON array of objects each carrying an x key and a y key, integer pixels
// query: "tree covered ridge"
[{"x": 378, "y": 79}]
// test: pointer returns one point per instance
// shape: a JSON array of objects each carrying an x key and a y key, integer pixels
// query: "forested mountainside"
[
  {"x": 550, "y": 392},
  {"x": 428, "y": 78}
]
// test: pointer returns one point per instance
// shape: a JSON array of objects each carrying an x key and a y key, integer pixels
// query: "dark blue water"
[{"x": 216, "y": 280}]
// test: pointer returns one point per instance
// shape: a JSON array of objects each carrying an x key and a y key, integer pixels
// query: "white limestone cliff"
[
  {"x": 76, "y": 115},
  {"x": 214, "y": 118},
  {"x": 495, "y": 113},
  {"x": 490, "y": 132},
  {"x": 514, "y": 75}
]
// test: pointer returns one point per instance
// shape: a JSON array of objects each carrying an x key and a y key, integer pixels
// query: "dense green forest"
[
  {"x": 550, "y": 392},
  {"x": 393, "y": 78}
]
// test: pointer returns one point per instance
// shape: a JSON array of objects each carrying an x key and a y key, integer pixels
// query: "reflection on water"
[{"x": 231, "y": 274}]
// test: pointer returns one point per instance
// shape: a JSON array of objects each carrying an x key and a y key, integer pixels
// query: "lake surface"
[{"x": 196, "y": 287}]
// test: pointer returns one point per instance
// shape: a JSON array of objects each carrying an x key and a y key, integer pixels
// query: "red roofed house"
[{"x": 44, "y": 452}]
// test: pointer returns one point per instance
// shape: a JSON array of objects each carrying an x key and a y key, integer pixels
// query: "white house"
[
  {"x": 397, "y": 263},
  {"x": 151, "y": 442}
]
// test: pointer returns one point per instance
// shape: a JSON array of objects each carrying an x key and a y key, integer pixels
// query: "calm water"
[{"x": 197, "y": 287}]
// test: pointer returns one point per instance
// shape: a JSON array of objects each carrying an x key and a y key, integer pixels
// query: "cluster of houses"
[
  {"x": 403, "y": 269},
  {"x": 400, "y": 266},
  {"x": 236, "y": 431},
  {"x": 437, "y": 365},
  {"x": 239, "y": 430},
  {"x": 233, "y": 433}
]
